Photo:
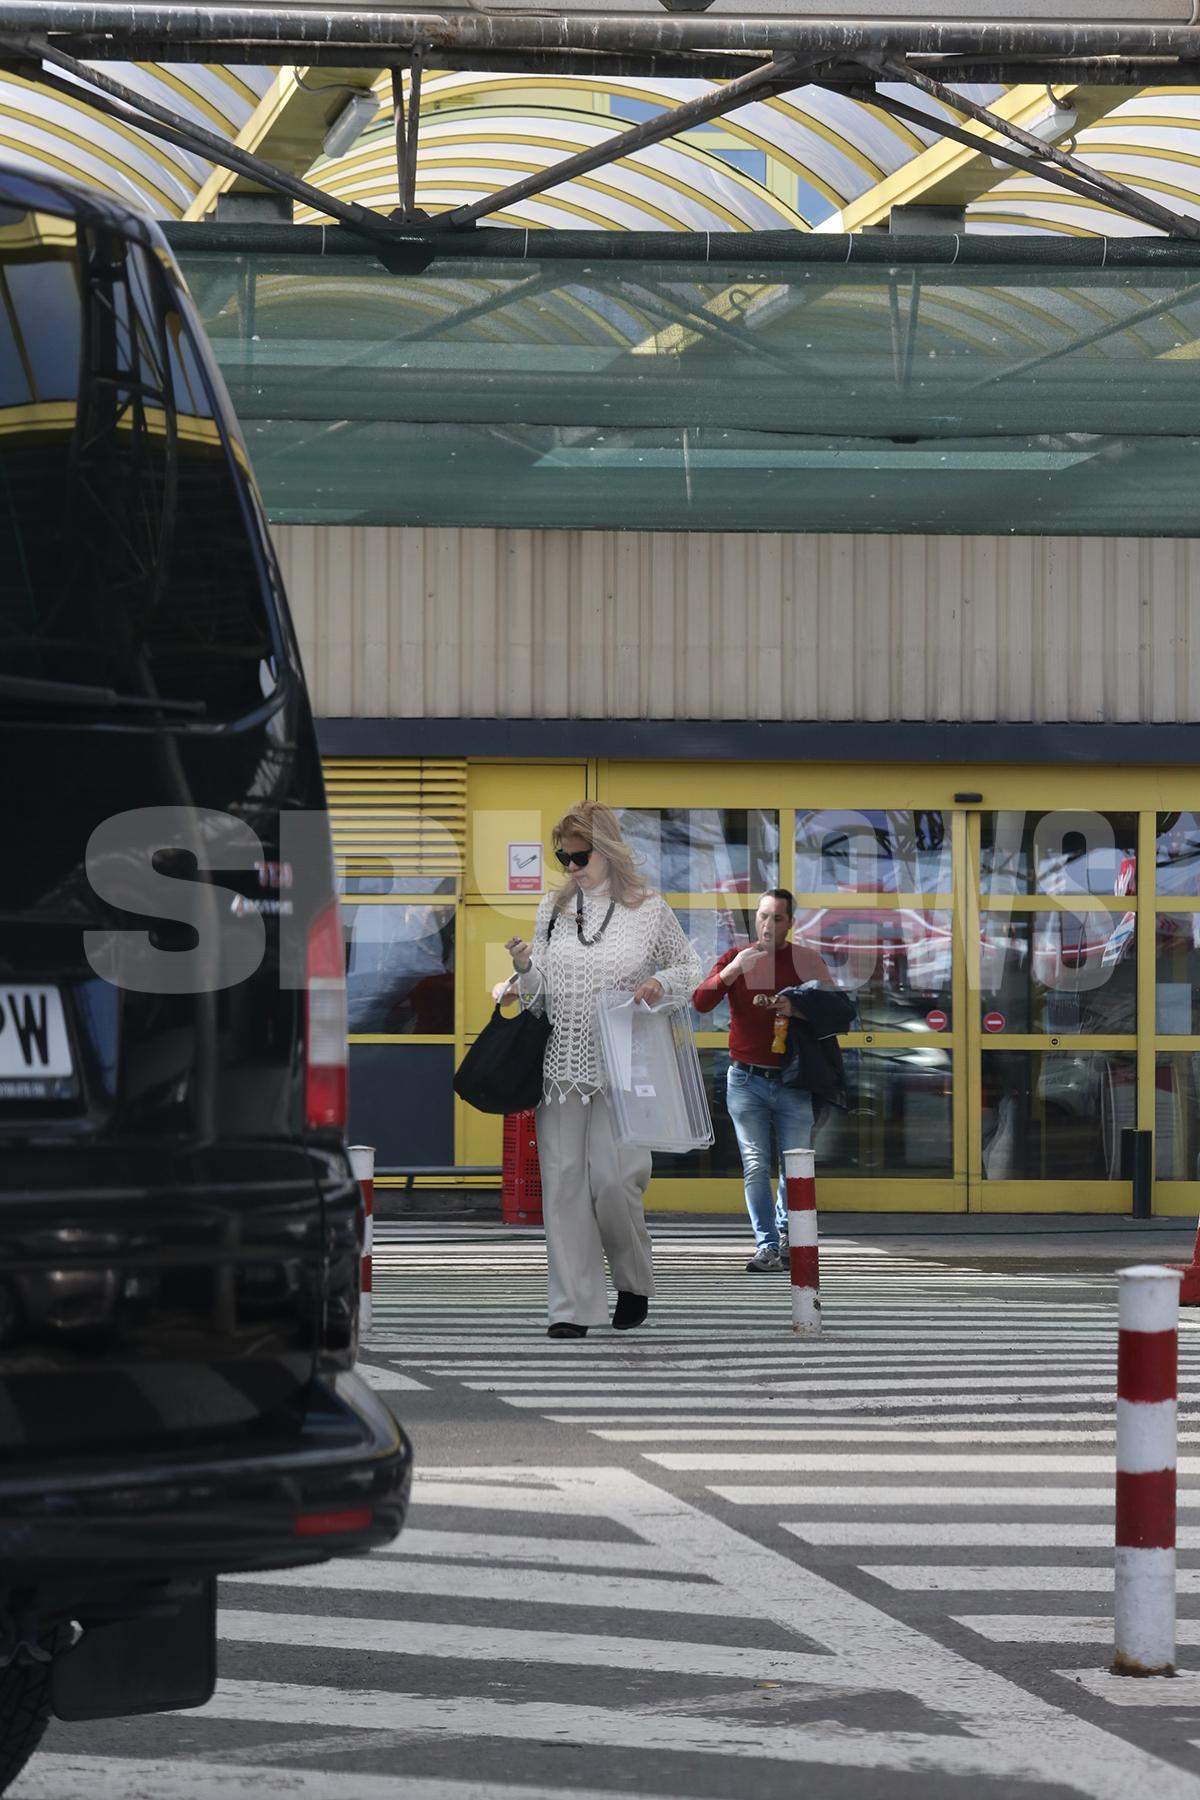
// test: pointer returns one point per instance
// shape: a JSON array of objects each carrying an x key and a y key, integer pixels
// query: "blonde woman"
[{"x": 602, "y": 929}]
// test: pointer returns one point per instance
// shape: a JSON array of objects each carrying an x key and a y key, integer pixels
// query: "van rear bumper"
[{"x": 341, "y": 1484}]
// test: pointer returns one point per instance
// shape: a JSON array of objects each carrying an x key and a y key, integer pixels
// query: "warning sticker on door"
[{"x": 643, "y": 1090}]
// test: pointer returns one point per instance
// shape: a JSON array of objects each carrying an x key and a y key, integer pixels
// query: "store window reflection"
[
  {"x": 1177, "y": 1115},
  {"x": 1056, "y": 1115},
  {"x": 1059, "y": 972},
  {"x": 847, "y": 852},
  {"x": 712, "y": 931},
  {"x": 1064, "y": 852},
  {"x": 899, "y": 1120},
  {"x": 400, "y": 969},
  {"x": 1177, "y": 973},
  {"x": 895, "y": 965},
  {"x": 1177, "y": 854},
  {"x": 704, "y": 850}
]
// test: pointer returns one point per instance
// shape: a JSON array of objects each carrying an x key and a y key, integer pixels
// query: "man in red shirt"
[{"x": 760, "y": 1106}]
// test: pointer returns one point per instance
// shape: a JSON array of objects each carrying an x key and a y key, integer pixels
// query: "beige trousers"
[{"x": 592, "y": 1189}]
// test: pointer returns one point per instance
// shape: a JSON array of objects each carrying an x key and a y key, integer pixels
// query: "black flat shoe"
[
  {"x": 630, "y": 1310},
  {"x": 563, "y": 1330}
]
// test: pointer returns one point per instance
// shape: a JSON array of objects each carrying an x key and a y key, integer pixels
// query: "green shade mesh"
[{"x": 1025, "y": 388}]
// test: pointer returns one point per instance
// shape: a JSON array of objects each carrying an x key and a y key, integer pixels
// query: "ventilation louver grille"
[{"x": 405, "y": 816}]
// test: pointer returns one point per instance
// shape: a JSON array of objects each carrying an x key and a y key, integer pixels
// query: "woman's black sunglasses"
[{"x": 573, "y": 858}]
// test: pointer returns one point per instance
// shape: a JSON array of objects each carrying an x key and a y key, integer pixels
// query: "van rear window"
[{"x": 129, "y": 554}]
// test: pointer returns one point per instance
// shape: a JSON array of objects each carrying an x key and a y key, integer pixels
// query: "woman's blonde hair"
[{"x": 599, "y": 827}]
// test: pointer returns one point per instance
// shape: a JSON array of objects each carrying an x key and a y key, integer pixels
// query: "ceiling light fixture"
[
  {"x": 352, "y": 120},
  {"x": 1059, "y": 122}
]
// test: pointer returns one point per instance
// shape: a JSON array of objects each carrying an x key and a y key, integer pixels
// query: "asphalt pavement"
[{"x": 705, "y": 1559}]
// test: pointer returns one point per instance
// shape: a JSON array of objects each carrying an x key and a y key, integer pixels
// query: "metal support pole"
[
  {"x": 1137, "y": 1167},
  {"x": 121, "y": 23},
  {"x": 408, "y": 197},
  {"x": 407, "y": 130},
  {"x": 775, "y": 77},
  {"x": 1116, "y": 192},
  {"x": 144, "y": 114}
]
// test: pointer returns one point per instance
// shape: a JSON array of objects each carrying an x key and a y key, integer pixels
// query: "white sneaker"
[{"x": 766, "y": 1258}]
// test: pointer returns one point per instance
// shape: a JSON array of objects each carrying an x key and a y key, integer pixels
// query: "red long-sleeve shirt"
[{"x": 751, "y": 1027}]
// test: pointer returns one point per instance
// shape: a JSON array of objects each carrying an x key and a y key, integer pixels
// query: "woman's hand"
[
  {"x": 650, "y": 991},
  {"x": 503, "y": 992},
  {"x": 518, "y": 949}
]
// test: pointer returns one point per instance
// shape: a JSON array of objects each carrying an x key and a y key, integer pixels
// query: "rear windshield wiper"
[{"x": 103, "y": 699}]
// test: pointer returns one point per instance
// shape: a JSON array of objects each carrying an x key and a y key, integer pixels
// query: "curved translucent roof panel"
[
  {"x": 792, "y": 161},
  {"x": 1151, "y": 143},
  {"x": 807, "y": 160},
  {"x": 62, "y": 136}
]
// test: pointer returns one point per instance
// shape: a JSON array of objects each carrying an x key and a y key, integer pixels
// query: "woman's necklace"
[{"x": 589, "y": 941}]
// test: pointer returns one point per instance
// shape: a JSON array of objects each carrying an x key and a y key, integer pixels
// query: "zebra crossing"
[
  {"x": 879, "y": 1563},
  {"x": 1000, "y": 1385}
]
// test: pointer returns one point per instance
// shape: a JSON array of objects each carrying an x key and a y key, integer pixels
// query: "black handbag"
[{"x": 502, "y": 1071}]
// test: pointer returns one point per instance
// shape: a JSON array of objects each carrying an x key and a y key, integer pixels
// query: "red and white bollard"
[
  {"x": 799, "y": 1169},
  {"x": 362, "y": 1162},
  {"x": 1147, "y": 1361}
]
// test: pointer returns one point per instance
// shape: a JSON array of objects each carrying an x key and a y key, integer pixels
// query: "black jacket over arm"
[{"x": 814, "y": 1058}]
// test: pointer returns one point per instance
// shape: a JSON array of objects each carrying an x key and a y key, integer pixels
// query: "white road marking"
[
  {"x": 1178, "y": 1691},
  {"x": 430, "y": 1490},
  {"x": 936, "y": 1463},
  {"x": 1051, "y": 1628},
  {"x": 844, "y": 1434},
  {"x": 787, "y": 1414},
  {"x": 393, "y": 1575},
  {"x": 1012, "y": 1735},
  {"x": 936, "y": 1494},
  {"x": 819, "y": 1384},
  {"x": 954, "y": 1534},
  {"x": 624, "y": 1728},
  {"x": 54, "y": 1776},
  {"x": 429, "y": 1343},
  {"x": 728, "y": 1400},
  {"x": 1005, "y": 1577},
  {"x": 488, "y": 1547},
  {"x": 782, "y": 1362},
  {"x": 483, "y": 1643}
]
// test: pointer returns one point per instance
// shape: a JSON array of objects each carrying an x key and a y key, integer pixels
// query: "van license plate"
[{"x": 35, "y": 1051}]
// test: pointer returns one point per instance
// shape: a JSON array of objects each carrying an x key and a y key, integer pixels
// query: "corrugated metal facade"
[{"x": 476, "y": 623}]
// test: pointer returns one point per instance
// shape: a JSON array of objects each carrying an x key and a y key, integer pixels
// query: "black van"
[{"x": 180, "y": 1231}]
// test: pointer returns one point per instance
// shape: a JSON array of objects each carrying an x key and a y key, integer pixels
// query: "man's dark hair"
[{"x": 784, "y": 894}]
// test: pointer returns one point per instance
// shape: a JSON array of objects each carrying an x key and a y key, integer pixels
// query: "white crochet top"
[{"x": 640, "y": 942}]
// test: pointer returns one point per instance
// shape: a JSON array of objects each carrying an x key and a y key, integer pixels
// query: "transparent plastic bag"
[{"x": 653, "y": 1073}]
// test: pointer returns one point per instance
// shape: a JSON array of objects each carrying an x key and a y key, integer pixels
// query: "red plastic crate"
[{"x": 521, "y": 1183}]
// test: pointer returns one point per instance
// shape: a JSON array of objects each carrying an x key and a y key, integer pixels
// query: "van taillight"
[{"x": 325, "y": 1051}]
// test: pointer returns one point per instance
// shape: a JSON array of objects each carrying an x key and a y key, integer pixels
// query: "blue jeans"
[{"x": 759, "y": 1108}]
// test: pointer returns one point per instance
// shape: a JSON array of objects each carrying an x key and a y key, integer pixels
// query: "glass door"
[
  {"x": 1172, "y": 988},
  {"x": 875, "y": 899},
  {"x": 1052, "y": 960}
]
